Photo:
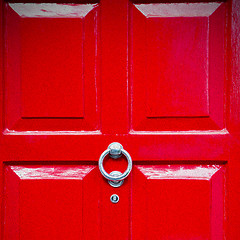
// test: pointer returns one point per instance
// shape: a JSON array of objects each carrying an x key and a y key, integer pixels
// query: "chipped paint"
[{"x": 52, "y": 172}]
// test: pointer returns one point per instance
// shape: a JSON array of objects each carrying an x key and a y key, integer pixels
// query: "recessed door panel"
[
  {"x": 51, "y": 66},
  {"x": 177, "y": 58},
  {"x": 178, "y": 202},
  {"x": 45, "y": 202}
]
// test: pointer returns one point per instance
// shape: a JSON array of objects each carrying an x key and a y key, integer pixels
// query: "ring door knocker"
[{"x": 115, "y": 178}]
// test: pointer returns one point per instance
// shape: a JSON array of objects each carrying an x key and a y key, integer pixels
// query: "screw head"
[
  {"x": 114, "y": 198},
  {"x": 115, "y": 149}
]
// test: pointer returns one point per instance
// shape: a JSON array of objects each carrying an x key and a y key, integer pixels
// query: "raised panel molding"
[
  {"x": 46, "y": 202},
  {"x": 179, "y": 202},
  {"x": 51, "y": 66},
  {"x": 177, "y": 73}
]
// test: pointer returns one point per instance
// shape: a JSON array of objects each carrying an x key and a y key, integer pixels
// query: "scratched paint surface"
[
  {"x": 52, "y": 172},
  {"x": 52, "y": 9},
  {"x": 179, "y": 171},
  {"x": 178, "y": 9},
  {"x": 177, "y": 61}
]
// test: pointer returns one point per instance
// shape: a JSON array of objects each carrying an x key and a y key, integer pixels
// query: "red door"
[{"x": 159, "y": 77}]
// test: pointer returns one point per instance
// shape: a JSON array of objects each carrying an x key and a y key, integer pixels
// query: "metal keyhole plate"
[{"x": 114, "y": 198}]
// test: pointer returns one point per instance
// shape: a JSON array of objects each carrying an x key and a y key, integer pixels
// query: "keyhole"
[{"x": 114, "y": 198}]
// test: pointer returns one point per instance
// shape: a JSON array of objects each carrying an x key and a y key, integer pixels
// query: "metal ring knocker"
[{"x": 115, "y": 178}]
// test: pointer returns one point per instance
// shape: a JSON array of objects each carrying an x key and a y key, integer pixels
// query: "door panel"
[
  {"x": 177, "y": 66},
  {"x": 178, "y": 202},
  {"x": 46, "y": 202},
  {"x": 51, "y": 66}
]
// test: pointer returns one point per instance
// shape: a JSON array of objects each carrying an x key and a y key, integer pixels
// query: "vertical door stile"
[
  {"x": 114, "y": 32},
  {"x": 233, "y": 124},
  {"x": 1, "y": 115}
]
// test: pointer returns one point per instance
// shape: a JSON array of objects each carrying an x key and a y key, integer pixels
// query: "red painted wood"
[
  {"x": 175, "y": 66},
  {"x": 114, "y": 56},
  {"x": 233, "y": 123},
  {"x": 176, "y": 40},
  {"x": 182, "y": 117},
  {"x": 178, "y": 202},
  {"x": 116, "y": 218},
  {"x": 48, "y": 200},
  {"x": 51, "y": 67},
  {"x": 216, "y": 66},
  {"x": 52, "y": 49},
  {"x": 1, "y": 118},
  {"x": 171, "y": 201},
  {"x": 142, "y": 146}
]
